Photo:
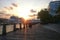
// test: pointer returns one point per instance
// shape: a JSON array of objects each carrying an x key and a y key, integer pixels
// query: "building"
[
  {"x": 53, "y": 5},
  {"x": 14, "y": 19}
]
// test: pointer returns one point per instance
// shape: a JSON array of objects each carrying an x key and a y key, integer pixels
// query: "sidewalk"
[
  {"x": 54, "y": 27},
  {"x": 37, "y": 32}
]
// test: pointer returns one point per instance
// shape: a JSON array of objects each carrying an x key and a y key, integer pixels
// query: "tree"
[
  {"x": 58, "y": 10},
  {"x": 57, "y": 17},
  {"x": 44, "y": 16}
]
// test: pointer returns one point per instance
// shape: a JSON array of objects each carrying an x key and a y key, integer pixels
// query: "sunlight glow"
[{"x": 22, "y": 12}]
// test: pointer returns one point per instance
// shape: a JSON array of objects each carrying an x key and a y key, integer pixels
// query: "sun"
[{"x": 22, "y": 12}]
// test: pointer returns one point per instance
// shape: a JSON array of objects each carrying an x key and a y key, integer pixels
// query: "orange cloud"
[
  {"x": 7, "y": 8},
  {"x": 2, "y": 12},
  {"x": 11, "y": 8},
  {"x": 4, "y": 15}
]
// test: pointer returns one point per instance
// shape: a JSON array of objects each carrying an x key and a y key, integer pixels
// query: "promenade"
[
  {"x": 54, "y": 27},
  {"x": 36, "y": 32}
]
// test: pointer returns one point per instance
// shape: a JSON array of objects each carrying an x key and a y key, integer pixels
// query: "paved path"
[
  {"x": 37, "y": 32},
  {"x": 54, "y": 27}
]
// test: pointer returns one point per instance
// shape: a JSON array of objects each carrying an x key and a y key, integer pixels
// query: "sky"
[
  {"x": 11, "y": 6},
  {"x": 23, "y": 3}
]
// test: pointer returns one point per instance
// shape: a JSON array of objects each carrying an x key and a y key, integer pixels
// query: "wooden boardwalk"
[{"x": 36, "y": 32}]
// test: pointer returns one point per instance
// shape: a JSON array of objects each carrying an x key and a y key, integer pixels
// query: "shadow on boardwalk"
[{"x": 37, "y": 32}]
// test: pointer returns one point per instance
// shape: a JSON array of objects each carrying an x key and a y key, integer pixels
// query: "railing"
[{"x": 4, "y": 27}]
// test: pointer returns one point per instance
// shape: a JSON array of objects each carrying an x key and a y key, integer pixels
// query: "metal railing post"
[
  {"x": 4, "y": 29},
  {"x": 14, "y": 27}
]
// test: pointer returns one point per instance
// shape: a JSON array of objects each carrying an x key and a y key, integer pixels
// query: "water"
[
  {"x": 9, "y": 28},
  {"x": 1, "y": 29}
]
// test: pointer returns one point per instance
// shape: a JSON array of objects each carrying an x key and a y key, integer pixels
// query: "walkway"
[
  {"x": 37, "y": 32},
  {"x": 54, "y": 27}
]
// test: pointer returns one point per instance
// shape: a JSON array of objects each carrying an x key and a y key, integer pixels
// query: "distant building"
[
  {"x": 14, "y": 19},
  {"x": 53, "y": 7}
]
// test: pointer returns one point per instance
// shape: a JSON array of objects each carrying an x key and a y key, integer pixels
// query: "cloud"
[
  {"x": 32, "y": 10},
  {"x": 9, "y": 8},
  {"x": 1, "y": 12},
  {"x": 15, "y": 5},
  {"x": 6, "y": 8}
]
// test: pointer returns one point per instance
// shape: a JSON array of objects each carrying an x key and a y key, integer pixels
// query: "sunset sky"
[{"x": 22, "y": 7}]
